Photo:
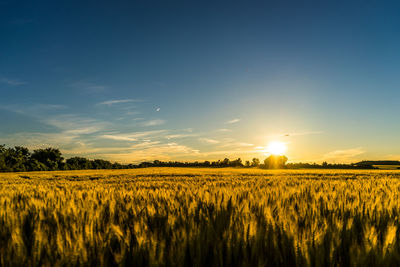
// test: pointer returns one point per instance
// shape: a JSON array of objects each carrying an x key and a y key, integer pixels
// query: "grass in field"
[
  {"x": 200, "y": 217},
  {"x": 387, "y": 167}
]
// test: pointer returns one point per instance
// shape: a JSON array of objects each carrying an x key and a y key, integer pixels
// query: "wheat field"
[{"x": 200, "y": 217}]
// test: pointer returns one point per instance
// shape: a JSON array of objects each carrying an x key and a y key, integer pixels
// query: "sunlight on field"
[{"x": 200, "y": 217}]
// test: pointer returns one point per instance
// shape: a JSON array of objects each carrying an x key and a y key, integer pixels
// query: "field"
[
  {"x": 387, "y": 167},
  {"x": 200, "y": 217}
]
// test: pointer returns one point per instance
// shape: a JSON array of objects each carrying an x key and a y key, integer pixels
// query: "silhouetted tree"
[
  {"x": 50, "y": 157},
  {"x": 236, "y": 163},
  {"x": 34, "y": 165},
  {"x": 255, "y": 162},
  {"x": 225, "y": 162},
  {"x": 78, "y": 163},
  {"x": 3, "y": 165},
  {"x": 116, "y": 165},
  {"x": 101, "y": 164},
  {"x": 16, "y": 159},
  {"x": 275, "y": 162}
]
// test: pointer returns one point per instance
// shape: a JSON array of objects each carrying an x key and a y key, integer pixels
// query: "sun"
[{"x": 276, "y": 148}]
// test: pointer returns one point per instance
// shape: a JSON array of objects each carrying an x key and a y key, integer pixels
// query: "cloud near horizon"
[
  {"x": 11, "y": 82},
  {"x": 209, "y": 140},
  {"x": 118, "y": 101},
  {"x": 344, "y": 155},
  {"x": 155, "y": 122},
  {"x": 236, "y": 120}
]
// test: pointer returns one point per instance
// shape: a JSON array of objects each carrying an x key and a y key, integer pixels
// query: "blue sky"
[{"x": 193, "y": 80}]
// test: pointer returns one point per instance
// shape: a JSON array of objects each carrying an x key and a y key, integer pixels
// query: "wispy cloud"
[
  {"x": 153, "y": 122},
  {"x": 87, "y": 150},
  {"x": 343, "y": 155},
  {"x": 151, "y": 150},
  {"x": 224, "y": 130},
  {"x": 118, "y": 101},
  {"x": 218, "y": 154},
  {"x": 226, "y": 142},
  {"x": 114, "y": 150},
  {"x": 11, "y": 82},
  {"x": 177, "y": 136},
  {"x": 84, "y": 130},
  {"x": 229, "y": 142},
  {"x": 32, "y": 110},
  {"x": 135, "y": 136},
  {"x": 118, "y": 137},
  {"x": 209, "y": 140},
  {"x": 71, "y": 123},
  {"x": 39, "y": 140},
  {"x": 89, "y": 87},
  {"x": 236, "y": 120},
  {"x": 131, "y": 113},
  {"x": 142, "y": 151},
  {"x": 49, "y": 106},
  {"x": 145, "y": 144}
]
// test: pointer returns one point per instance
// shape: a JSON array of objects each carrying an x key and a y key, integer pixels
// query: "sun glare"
[{"x": 276, "y": 148}]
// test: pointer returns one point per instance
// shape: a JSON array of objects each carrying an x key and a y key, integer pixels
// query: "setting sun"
[{"x": 276, "y": 148}]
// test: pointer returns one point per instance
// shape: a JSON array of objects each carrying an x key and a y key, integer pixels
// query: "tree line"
[
  {"x": 49, "y": 159},
  {"x": 21, "y": 158},
  {"x": 325, "y": 165},
  {"x": 272, "y": 162}
]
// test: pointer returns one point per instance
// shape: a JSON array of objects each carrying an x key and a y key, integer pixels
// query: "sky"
[{"x": 133, "y": 81}]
